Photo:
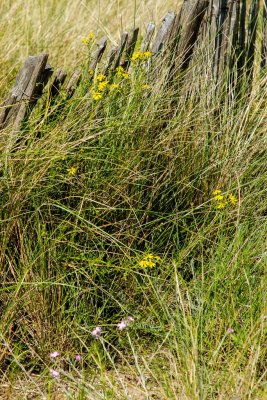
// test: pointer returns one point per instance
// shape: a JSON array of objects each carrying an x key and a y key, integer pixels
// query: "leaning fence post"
[
  {"x": 129, "y": 48},
  {"x": 27, "y": 90},
  {"x": 164, "y": 32},
  {"x": 150, "y": 29}
]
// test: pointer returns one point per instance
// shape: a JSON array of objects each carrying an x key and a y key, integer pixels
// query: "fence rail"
[{"x": 225, "y": 25}]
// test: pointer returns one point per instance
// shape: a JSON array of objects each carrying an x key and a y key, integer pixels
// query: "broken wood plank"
[
  {"x": 118, "y": 55},
  {"x": 56, "y": 84},
  {"x": 190, "y": 20},
  {"x": 163, "y": 33},
  {"x": 129, "y": 48},
  {"x": 73, "y": 83},
  {"x": 27, "y": 90},
  {"x": 150, "y": 29},
  {"x": 251, "y": 41},
  {"x": 229, "y": 37},
  {"x": 98, "y": 54},
  {"x": 110, "y": 58}
]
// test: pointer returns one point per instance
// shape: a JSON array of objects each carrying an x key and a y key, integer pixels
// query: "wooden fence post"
[
  {"x": 150, "y": 29},
  {"x": 27, "y": 90}
]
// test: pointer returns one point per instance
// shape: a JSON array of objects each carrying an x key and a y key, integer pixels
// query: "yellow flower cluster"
[
  {"x": 222, "y": 201},
  {"x": 114, "y": 87},
  {"x": 72, "y": 171},
  {"x": 88, "y": 39},
  {"x": 122, "y": 73},
  {"x": 101, "y": 85},
  {"x": 96, "y": 95},
  {"x": 141, "y": 56},
  {"x": 149, "y": 260},
  {"x": 146, "y": 87}
]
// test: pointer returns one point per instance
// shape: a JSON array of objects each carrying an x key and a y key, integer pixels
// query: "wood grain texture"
[
  {"x": 98, "y": 54},
  {"x": 109, "y": 61},
  {"x": 163, "y": 33},
  {"x": 121, "y": 47},
  {"x": 150, "y": 29},
  {"x": 27, "y": 90},
  {"x": 129, "y": 48}
]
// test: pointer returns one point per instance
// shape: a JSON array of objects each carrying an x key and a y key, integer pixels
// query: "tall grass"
[{"x": 89, "y": 191}]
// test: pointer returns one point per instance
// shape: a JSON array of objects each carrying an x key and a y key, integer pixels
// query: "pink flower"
[
  {"x": 54, "y": 354},
  {"x": 78, "y": 357},
  {"x": 130, "y": 319},
  {"x": 230, "y": 330},
  {"x": 96, "y": 332},
  {"x": 121, "y": 325},
  {"x": 54, "y": 373}
]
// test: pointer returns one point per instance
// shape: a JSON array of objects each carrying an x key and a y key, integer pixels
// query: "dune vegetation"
[{"x": 133, "y": 220}]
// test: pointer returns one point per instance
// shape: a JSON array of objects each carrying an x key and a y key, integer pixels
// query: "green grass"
[{"x": 146, "y": 163}]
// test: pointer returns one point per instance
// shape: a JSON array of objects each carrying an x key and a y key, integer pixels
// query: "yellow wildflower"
[
  {"x": 221, "y": 204},
  {"x": 138, "y": 55},
  {"x": 102, "y": 86},
  {"x": 91, "y": 36},
  {"x": 146, "y": 263},
  {"x": 121, "y": 72},
  {"x": 91, "y": 72},
  {"x": 84, "y": 40},
  {"x": 96, "y": 95},
  {"x": 114, "y": 86},
  {"x": 72, "y": 171},
  {"x": 146, "y": 87},
  {"x": 232, "y": 199},
  {"x": 216, "y": 191},
  {"x": 100, "y": 77},
  {"x": 147, "y": 54},
  {"x": 149, "y": 260},
  {"x": 218, "y": 197}
]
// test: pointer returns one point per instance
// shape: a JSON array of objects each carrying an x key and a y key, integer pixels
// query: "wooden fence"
[{"x": 229, "y": 27}]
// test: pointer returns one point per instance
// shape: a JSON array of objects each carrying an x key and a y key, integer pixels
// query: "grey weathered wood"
[
  {"x": 150, "y": 29},
  {"x": 73, "y": 83},
  {"x": 242, "y": 36},
  {"x": 109, "y": 61},
  {"x": 252, "y": 30},
  {"x": 229, "y": 36},
  {"x": 27, "y": 90},
  {"x": 121, "y": 47},
  {"x": 129, "y": 48},
  {"x": 98, "y": 54},
  {"x": 190, "y": 20},
  {"x": 56, "y": 84},
  {"x": 163, "y": 33}
]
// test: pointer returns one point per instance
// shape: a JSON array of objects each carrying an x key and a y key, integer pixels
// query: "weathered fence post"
[
  {"x": 148, "y": 36},
  {"x": 129, "y": 48},
  {"x": 27, "y": 90}
]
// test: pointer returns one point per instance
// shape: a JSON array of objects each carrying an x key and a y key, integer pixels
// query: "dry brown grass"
[{"x": 28, "y": 27}]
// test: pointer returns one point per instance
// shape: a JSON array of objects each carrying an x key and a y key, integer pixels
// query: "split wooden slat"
[
  {"x": 163, "y": 33},
  {"x": 129, "y": 48},
  {"x": 229, "y": 36},
  {"x": 109, "y": 61},
  {"x": 98, "y": 54},
  {"x": 150, "y": 29},
  {"x": 190, "y": 20},
  {"x": 27, "y": 90},
  {"x": 242, "y": 36},
  {"x": 56, "y": 84},
  {"x": 121, "y": 47},
  {"x": 251, "y": 38},
  {"x": 73, "y": 83}
]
